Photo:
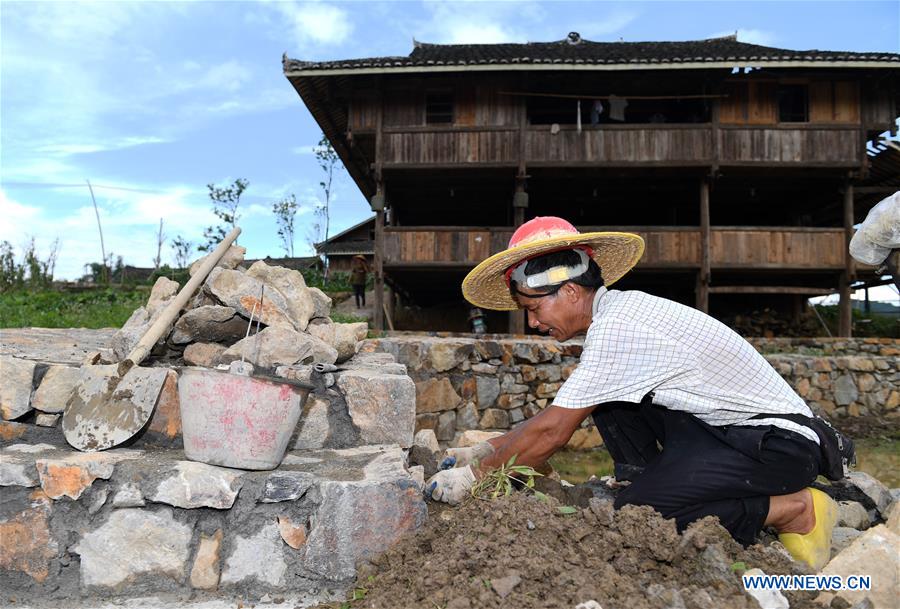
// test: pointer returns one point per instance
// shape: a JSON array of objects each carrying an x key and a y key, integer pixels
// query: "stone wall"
[
  {"x": 144, "y": 520},
  {"x": 495, "y": 382}
]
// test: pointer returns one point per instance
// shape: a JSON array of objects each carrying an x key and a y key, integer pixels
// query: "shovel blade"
[{"x": 106, "y": 409}]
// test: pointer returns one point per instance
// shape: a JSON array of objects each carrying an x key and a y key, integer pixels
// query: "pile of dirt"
[{"x": 522, "y": 552}]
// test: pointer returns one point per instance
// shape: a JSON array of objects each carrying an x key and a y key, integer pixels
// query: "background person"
[{"x": 359, "y": 273}]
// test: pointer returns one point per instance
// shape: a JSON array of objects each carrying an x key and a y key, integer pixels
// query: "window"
[
  {"x": 793, "y": 103},
  {"x": 438, "y": 108}
]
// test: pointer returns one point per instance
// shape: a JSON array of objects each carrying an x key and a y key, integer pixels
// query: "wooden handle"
[{"x": 164, "y": 321}]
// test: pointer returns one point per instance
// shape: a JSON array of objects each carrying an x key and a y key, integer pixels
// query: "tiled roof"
[{"x": 714, "y": 50}]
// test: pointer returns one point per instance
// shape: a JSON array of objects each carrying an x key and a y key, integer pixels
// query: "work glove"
[
  {"x": 461, "y": 457},
  {"x": 451, "y": 485}
]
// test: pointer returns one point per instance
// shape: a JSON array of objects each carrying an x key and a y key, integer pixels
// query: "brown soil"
[{"x": 519, "y": 552}]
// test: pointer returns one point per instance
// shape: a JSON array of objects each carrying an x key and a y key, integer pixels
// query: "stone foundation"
[
  {"x": 143, "y": 520},
  {"x": 128, "y": 522},
  {"x": 492, "y": 383}
]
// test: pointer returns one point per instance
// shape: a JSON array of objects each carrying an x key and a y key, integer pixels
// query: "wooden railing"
[
  {"x": 622, "y": 145},
  {"x": 666, "y": 247}
]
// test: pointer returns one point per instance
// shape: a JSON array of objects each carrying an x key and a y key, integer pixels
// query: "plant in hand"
[{"x": 502, "y": 480}]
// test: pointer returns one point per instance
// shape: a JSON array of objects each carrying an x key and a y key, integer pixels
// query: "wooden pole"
[
  {"x": 845, "y": 327},
  {"x": 520, "y": 203},
  {"x": 704, "y": 274},
  {"x": 378, "y": 206}
]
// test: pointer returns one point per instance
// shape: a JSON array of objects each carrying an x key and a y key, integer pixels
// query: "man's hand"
[
  {"x": 451, "y": 485},
  {"x": 468, "y": 455}
]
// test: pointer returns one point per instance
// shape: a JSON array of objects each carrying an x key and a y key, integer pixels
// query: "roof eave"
[{"x": 587, "y": 67}]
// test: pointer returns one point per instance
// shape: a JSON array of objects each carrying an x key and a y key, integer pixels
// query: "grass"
[
  {"x": 95, "y": 308},
  {"x": 879, "y": 457}
]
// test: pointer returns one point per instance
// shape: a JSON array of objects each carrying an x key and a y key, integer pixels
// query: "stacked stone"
[
  {"x": 465, "y": 383},
  {"x": 293, "y": 319},
  {"x": 128, "y": 522},
  {"x": 840, "y": 387},
  {"x": 483, "y": 384}
]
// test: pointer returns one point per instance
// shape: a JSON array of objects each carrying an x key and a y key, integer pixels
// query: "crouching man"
[{"x": 688, "y": 410}]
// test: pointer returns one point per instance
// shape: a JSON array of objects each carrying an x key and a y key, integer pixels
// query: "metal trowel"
[{"x": 113, "y": 402}]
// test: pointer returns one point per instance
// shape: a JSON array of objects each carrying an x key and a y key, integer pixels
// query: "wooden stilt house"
[{"x": 737, "y": 163}]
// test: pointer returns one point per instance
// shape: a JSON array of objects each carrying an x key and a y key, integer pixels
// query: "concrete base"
[{"x": 145, "y": 522}]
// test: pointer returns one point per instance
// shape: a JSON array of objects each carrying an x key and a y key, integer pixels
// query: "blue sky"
[{"x": 150, "y": 101}]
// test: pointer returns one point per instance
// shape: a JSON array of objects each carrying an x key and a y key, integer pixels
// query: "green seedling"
[
  {"x": 738, "y": 566},
  {"x": 499, "y": 482},
  {"x": 566, "y": 510}
]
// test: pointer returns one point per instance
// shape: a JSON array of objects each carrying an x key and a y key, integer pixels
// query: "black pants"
[
  {"x": 359, "y": 291},
  {"x": 701, "y": 470}
]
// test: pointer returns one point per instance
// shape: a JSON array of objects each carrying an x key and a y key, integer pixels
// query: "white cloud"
[
  {"x": 752, "y": 36},
  {"x": 314, "y": 22},
  {"x": 113, "y": 144}
]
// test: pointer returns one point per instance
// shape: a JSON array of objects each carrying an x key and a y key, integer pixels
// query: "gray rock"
[
  {"x": 467, "y": 417},
  {"x": 321, "y": 303},
  {"x": 162, "y": 292},
  {"x": 47, "y": 420},
  {"x": 17, "y": 469},
  {"x": 487, "y": 390},
  {"x": 286, "y": 486},
  {"x": 873, "y": 489},
  {"x": 314, "y": 426},
  {"x": 15, "y": 390},
  {"x": 209, "y": 324},
  {"x": 193, "y": 485},
  {"x": 842, "y": 537},
  {"x": 128, "y": 495},
  {"x": 382, "y": 406},
  {"x": 291, "y": 285},
  {"x": 280, "y": 345},
  {"x": 56, "y": 388},
  {"x": 446, "y": 426},
  {"x": 132, "y": 543},
  {"x": 852, "y": 514},
  {"x": 845, "y": 391},
  {"x": 503, "y": 586},
  {"x": 232, "y": 258},
  {"x": 241, "y": 292},
  {"x": 207, "y": 355},
  {"x": 426, "y": 451},
  {"x": 386, "y": 494},
  {"x": 874, "y": 553},
  {"x": 257, "y": 557},
  {"x": 343, "y": 337}
]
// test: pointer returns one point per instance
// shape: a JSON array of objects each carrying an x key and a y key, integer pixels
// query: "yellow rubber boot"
[{"x": 814, "y": 548}]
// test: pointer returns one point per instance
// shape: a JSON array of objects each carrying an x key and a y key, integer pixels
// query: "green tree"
[
  {"x": 328, "y": 160},
  {"x": 225, "y": 206},
  {"x": 183, "y": 249},
  {"x": 285, "y": 211}
]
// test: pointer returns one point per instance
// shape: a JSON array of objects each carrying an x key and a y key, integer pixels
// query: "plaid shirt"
[{"x": 638, "y": 343}]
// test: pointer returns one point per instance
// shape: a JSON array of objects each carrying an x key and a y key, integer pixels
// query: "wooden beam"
[
  {"x": 845, "y": 327},
  {"x": 703, "y": 276},
  {"x": 769, "y": 289},
  {"x": 867, "y": 190}
]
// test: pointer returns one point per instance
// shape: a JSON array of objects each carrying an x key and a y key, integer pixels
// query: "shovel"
[{"x": 114, "y": 402}]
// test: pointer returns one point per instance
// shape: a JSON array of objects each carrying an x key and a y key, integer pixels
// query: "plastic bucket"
[{"x": 238, "y": 421}]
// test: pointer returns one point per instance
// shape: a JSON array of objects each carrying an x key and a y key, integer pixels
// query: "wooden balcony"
[
  {"x": 666, "y": 247},
  {"x": 622, "y": 146}
]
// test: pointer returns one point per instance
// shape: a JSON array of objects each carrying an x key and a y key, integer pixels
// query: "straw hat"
[{"x": 486, "y": 285}]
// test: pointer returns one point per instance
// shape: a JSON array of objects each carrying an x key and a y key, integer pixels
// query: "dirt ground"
[{"x": 524, "y": 553}]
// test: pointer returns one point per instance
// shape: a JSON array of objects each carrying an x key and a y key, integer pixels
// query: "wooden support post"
[
  {"x": 703, "y": 276},
  {"x": 378, "y": 205},
  {"x": 520, "y": 203},
  {"x": 378, "y": 320},
  {"x": 845, "y": 327}
]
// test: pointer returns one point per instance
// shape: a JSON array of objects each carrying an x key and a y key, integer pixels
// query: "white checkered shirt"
[{"x": 638, "y": 343}]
